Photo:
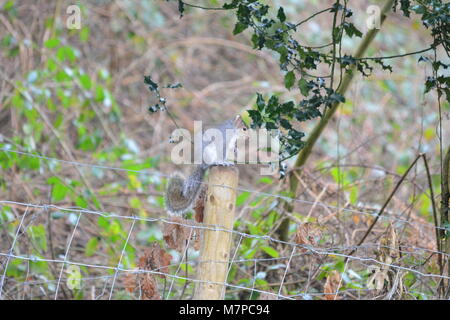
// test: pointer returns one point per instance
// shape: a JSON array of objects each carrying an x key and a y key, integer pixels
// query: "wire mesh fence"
[{"x": 51, "y": 251}]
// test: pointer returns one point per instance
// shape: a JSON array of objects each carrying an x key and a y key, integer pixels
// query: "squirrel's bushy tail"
[{"x": 181, "y": 193}]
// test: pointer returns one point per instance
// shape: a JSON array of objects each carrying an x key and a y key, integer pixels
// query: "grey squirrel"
[{"x": 181, "y": 193}]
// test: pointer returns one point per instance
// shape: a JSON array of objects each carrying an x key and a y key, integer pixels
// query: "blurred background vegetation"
[{"x": 79, "y": 96}]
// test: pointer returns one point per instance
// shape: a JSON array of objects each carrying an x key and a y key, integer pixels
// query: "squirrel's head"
[{"x": 240, "y": 125}]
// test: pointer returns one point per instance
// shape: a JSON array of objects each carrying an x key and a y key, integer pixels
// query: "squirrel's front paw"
[{"x": 225, "y": 164}]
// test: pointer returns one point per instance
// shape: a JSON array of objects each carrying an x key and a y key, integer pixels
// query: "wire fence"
[{"x": 297, "y": 269}]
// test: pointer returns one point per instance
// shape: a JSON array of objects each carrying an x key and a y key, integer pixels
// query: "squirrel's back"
[{"x": 181, "y": 193}]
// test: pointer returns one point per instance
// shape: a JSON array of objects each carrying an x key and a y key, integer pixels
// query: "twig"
[
  {"x": 318, "y": 129},
  {"x": 385, "y": 204},
  {"x": 435, "y": 217}
]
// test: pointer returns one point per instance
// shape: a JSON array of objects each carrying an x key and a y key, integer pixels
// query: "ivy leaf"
[{"x": 289, "y": 79}]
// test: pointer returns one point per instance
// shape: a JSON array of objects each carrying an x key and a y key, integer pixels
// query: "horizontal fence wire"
[
  {"x": 305, "y": 250},
  {"x": 286, "y": 198},
  {"x": 311, "y": 250},
  {"x": 192, "y": 225}
]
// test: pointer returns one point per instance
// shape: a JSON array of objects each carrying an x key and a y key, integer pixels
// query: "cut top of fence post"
[{"x": 215, "y": 248}]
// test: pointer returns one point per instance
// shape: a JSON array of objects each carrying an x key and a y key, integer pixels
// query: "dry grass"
[{"x": 386, "y": 121}]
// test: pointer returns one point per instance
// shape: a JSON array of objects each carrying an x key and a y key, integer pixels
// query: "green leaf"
[
  {"x": 242, "y": 198},
  {"x": 351, "y": 30},
  {"x": 51, "y": 65},
  {"x": 153, "y": 86},
  {"x": 265, "y": 180},
  {"x": 405, "y": 7},
  {"x": 270, "y": 251},
  {"x": 135, "y": 203},
  {"x": 285, "y": 124},
  {"x": 8, "y": 5},
  {"x": 253, "y": 229},
  {"x": 59, "y": 190},
  {"x": 103, "y": 223},
  {"x": 91, "y": 247},
  {"x": 174, "y": 85},
  {"x": 99, "y": 94},
  {"x": 38, "y": 237},
  {"x": 281, "y": 15},
  {"x": 66, "y": 53},
  {"x": 258, "y": 41},
  {"x": 84, "y": 34},
  {"x": 85, "y": 81},
  {"x": 81, "y": 202},
  {"x": 353, "y": 195},
  {"x": 181, "y": 7},
  {"x": 16, "y": 268},
  {"x": 231, "y": 5},
  {"x": 239, "y": 27},
  {"x": 114, "y": 227},
  {"x": 260, "y": 101},
  {"x": 303, "y": 86},
  {"x": 446, "y": 226},
  {"x": 256, "y": 117},
  {"x": 419, "y": 9},
  {"x": 289, "y": 79},
  {"x": 51, "y": 43}
]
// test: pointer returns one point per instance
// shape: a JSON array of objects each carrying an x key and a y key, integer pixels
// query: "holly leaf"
[
  {"x": 281, "y": 15},
  {"x": 153, "y": 86},
  {"x": 289, "y": 79},
  {"x": 260, "y": 103},
  {"x": 239, "y": 27}
]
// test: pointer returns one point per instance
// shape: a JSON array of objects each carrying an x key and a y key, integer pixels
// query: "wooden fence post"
[{"x": 215, "y": 248}]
